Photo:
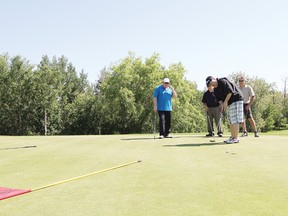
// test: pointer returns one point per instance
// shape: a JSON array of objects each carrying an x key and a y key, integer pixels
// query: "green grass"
[
  {"x": 186, "y": 175},
  {"x": 279, "y": 132}
]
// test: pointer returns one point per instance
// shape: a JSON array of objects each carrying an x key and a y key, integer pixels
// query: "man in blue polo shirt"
[{"x": 162, "y": 99}]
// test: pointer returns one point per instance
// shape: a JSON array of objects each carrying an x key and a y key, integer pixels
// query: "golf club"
[
  {"x": 154, "y": 126},
  {"x": 219, "y": 122}
]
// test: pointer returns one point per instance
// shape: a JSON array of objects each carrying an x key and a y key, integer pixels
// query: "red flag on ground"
[{"x": 11, "y": 192}]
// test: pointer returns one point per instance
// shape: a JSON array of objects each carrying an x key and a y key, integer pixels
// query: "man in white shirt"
[{"x": 249, "y": 97}]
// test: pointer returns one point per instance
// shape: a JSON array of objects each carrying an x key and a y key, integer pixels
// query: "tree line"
[{"x": 52, "y": 98}]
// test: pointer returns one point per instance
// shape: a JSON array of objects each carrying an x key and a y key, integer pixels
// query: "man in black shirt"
[
  {"x": 231, "y": 98},
  {"x": 213, "y": 110}
]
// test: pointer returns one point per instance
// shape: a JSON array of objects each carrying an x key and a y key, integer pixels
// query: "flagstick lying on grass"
[{"x": 11, "y": 192}]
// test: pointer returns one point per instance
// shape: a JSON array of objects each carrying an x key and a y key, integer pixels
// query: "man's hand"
[
  {"x": 155, "y": 108},
  {"x": 224, "y": 107},
  {"x": 247, "y": 107},
  {"x": 206, "y": 107},
  {"x": 173, "y": 90}
]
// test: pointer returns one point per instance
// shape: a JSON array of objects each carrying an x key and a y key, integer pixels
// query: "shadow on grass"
[
  {"x": 197, "y": 144},
  {"x": 146, "y": 138},
  {"x": 156, "y": 137},
  {"x": 21, "y": 147}
]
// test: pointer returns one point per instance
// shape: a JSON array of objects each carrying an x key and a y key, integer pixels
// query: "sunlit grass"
[{"x": 186, "y": 175}]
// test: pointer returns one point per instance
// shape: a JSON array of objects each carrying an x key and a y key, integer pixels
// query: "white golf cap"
[{"x": 166, "y": 80}]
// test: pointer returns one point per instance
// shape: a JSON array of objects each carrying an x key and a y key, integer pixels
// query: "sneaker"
[
  {"x": 168, "y": 136},
  {"x": 245, "y": 134},
  {"x": 256, "y": 134},
  {"x": 220, "y": 134},
  {"x": 161, "y": 137},
  {"x": 209, "y": 135},
  {"x": 230, "y": 141}
]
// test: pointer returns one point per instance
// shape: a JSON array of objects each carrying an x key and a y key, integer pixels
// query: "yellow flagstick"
[{"x": 83, "y": 176}]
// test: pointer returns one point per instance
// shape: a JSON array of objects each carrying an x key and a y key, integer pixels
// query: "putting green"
[{"x": 185, "y": 175}]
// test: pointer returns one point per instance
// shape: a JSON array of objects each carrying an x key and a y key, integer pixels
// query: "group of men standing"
[
  {"x": 222, "y": 96},
  {"x": 235, "y": 99}
]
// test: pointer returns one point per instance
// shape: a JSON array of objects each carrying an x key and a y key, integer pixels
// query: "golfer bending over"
[
  {"x": 232, "y": 99},
  {"x": 162, "y": 99}
]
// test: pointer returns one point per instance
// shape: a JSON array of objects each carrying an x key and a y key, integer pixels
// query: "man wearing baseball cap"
[
  {"x": 162, "y": 99},
  {"x": 231, "y": 98}
]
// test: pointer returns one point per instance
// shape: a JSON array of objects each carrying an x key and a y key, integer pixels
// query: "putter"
[
  {"x": 154, "y": 126},
  {"x": 220, "y": 120},
  {"x": 209, "y": 122}
]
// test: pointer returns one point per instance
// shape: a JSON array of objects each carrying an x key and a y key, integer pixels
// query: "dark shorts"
[{"x": 247, "y": 113}]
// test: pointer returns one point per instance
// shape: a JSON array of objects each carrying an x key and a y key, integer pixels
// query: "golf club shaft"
[{"x": 154, "y": 125}]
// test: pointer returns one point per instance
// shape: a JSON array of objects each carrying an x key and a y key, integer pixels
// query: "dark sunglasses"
[
  {"x": 166, "y": 83},
  {"x": 241, "y": 80}
]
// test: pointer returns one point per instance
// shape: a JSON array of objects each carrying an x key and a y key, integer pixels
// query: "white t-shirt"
[{"x": 247, "y": 92}]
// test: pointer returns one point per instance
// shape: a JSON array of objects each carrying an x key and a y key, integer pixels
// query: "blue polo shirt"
[{"x": 164, "y": 98}]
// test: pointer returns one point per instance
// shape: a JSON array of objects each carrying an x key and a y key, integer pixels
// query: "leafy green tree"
[
  {"x": 55, "y": 99},
  {"x": 278, "y": 113},
  {"x": 58, "y": 86},
  {"x": 81, "y": 115},
  {"x": 5, "y": 81},
  {"x": 188, "y": 113},
  {"x": 16, "y": 95},
  {"x": 48, "y": 89},
  {"x": 128, "y": 92}
]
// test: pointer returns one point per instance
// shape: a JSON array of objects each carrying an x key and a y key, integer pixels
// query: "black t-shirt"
[
  {"x": 225, "y": 87},
  {"x": 210, "y": 99}
]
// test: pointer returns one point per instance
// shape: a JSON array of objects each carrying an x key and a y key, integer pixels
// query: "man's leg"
[
  {"x": 210, "y": 123},
  {"x": 161, "y": 115},
  {"x": 246, "y": 113},
  {"x": 234, "y": 130},
  {"x": 245, "y": 133},
  {"x": 217, "y": 115},
  {"x": 253, "y": 125},
  {"x": 235, "y": 117},
  {"x": 167, "y": 123},
  {"x": 229, "y": 118},
  {"x": 249, "y": 116}
]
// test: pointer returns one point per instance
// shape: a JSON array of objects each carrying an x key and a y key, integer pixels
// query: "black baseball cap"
[{"x": 208, "y": 80}]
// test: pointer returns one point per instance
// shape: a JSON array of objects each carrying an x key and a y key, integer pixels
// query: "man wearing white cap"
[{"x": 162, "y": 99}]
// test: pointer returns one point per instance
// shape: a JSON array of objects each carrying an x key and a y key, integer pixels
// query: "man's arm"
[
  {"x": 252, "y": 98},
  {"x": 174, "y": 94},
  {"x": 250, "y": 103},
  {"x": 206, "y": 107},
  {"x": 155, "y": 103},
  {"x": 225, "y": 103}
]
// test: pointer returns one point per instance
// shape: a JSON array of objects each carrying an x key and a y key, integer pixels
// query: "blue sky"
[{"x": 209, "y": 37}]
